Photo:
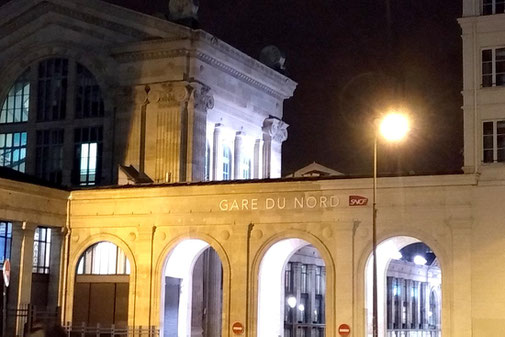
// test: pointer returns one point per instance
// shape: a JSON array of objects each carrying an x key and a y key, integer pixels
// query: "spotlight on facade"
[
  {"x": 292, "y": 301},
  {"x": 301, "y": 307},
  {"x": 394, "y": 126},
  {"x": 419, "y": 260}
]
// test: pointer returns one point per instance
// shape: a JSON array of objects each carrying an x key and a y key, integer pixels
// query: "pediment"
[{"x": 90, "y": 17}]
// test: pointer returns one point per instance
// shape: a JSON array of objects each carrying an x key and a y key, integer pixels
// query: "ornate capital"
[
  {"x": 203, "y": 98},
  {"x": 167, "y": 93},
  {"x": 276, "y": 129}
]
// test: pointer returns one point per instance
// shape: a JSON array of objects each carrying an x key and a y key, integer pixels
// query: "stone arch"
[
  {"x": 97, "y": 65},
  {"x": 72, "y": 270},
  {"x": 330, "y": 276},
  {"x": 159, "y": 268},
  {"x": 443, "y": 255}
]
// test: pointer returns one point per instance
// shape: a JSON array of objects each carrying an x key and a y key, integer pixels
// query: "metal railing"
[
  {"x": 83, "y": 330},
  {"x": 413, "y": 333}
]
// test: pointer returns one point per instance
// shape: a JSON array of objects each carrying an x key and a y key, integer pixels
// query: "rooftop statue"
[{"x": 183, "y": 9}]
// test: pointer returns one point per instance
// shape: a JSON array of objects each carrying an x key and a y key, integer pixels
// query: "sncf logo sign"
[{"x": 356, "y": 200}]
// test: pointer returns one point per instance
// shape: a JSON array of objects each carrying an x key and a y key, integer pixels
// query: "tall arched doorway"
[
  {"x": 408, "y": 289},
  {"x": 192, "y": 291},
  {"x": 102, "y": 286},
  {"x": 291, "y": 291}
]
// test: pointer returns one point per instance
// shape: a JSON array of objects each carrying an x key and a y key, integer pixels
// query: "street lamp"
[{"x": 393, "y": 127}]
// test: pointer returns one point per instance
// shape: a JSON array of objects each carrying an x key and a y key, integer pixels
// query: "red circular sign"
[
  {"x": 237, "y": 328},
  {"x": 344, "y": 330}
]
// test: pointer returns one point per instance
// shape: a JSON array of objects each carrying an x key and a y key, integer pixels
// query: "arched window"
[
  {"x": 103, "y": 258},
  {"x": 58, "y": 82},
  {"x": 17, "y": 104},
  {"x": 226, "y": 163}
]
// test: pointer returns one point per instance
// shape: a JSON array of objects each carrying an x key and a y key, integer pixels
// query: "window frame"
[
  {"x": 492, "y": 5},
  {"x": 7, "y": 238},
  {"x": 227, "y": 159},
  {"x": 494, "y": 63},
  {"x": 498, "y": 153},
  {"x": 42, "y": 257},
  {"x": 20, "y": 148}
]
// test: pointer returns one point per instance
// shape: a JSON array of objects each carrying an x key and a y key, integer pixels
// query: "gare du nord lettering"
[{"x": 253, "y": 204}]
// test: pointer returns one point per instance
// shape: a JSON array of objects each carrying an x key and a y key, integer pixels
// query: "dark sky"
[{"x": 350, "y": 63}]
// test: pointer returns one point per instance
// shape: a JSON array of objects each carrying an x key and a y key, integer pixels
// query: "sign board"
[
  {"x": 7, "y": 272},
  {"x": 237, "y": 328},
  {"x": 357, "y": 200},
  {"x": 344, "y": 330}
]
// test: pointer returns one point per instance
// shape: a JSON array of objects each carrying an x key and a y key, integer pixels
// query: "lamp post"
[{"x": 393, "y": 127}]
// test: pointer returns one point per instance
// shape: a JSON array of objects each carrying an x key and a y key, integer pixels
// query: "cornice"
[
  {"x": 127, "y": 57},
  {"x": 241, "y": 57},
  {"x": 238, "y": 75}
]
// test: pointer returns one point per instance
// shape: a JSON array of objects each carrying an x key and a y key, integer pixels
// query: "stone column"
[
  {"x": 54, "y": 267},
  {"x": 217, "y": 153},
  {"x": 311, "y": 288},
  {"x": 274, "y": 133},
  {"x": 20, "y": 289},
  {"x": 202, "y": 100},
  {"x": 390, "y": 298},
  {"x": 297, "y": 282},
  {"x": 143, "y": 292},
  {"x": 238, "y": 156},
  {"x": 213, "y": 295},
  {"x": 258, "y": 159}
]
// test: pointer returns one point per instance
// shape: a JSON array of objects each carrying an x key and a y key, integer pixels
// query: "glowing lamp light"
[
  {"x": 419, "y": 260},
  {"x": 301, "y": 307},
  {"x": 292, "y": 301},
  {"x": 394, "y": 126}
]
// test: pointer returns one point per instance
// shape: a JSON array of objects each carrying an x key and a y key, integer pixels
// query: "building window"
[
  {"x": 493, "y": 141},
  {"x": 13, "y": 150},
  {"x": 246, "y": 168},
  {"x": 490, "y": 7},
  {"x": 226, "y": 163},
  {"x": 41, "y": 250},
  {"x": 52, "y": 90},
  {"x": 17, "y": 104},
  {"x": 49, "y": 155},
  {"x": 88, "y": 96},
  {"x": 5, "y": 241},
  {"x": 103, "y": 258},
  {"x": 88, "y": 155},
  {"x": 493, "y": 67}
]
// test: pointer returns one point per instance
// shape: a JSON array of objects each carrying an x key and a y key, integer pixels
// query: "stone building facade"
[
  {"x": 154, "y": 75},
  {"x": 89, "y": 86}
]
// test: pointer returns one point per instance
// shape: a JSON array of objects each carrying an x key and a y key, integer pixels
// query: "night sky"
[{"x": 350, "y": 63}]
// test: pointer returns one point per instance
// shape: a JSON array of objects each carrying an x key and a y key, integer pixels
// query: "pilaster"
[
  {"x": 238, "y": 156},
  {"x": 274, "y": 133},
  {"x": 217, "y": 172}
]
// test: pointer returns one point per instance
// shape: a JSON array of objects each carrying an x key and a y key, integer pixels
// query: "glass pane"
[
  {"x": 487, "y": 55},
  {"x": 488, "y": 156},
  {"x": 487, "y": 128}
]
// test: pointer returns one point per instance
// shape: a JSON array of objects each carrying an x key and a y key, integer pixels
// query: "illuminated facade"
[{"x": 270, "y": 257}]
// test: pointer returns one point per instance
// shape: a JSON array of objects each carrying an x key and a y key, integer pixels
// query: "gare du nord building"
[{"x": 140, "y": 189}]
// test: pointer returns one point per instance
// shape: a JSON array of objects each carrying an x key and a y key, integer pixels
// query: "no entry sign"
[
  {"x": 344, "y": 330},
  {"x": 237, "y": 328}
]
